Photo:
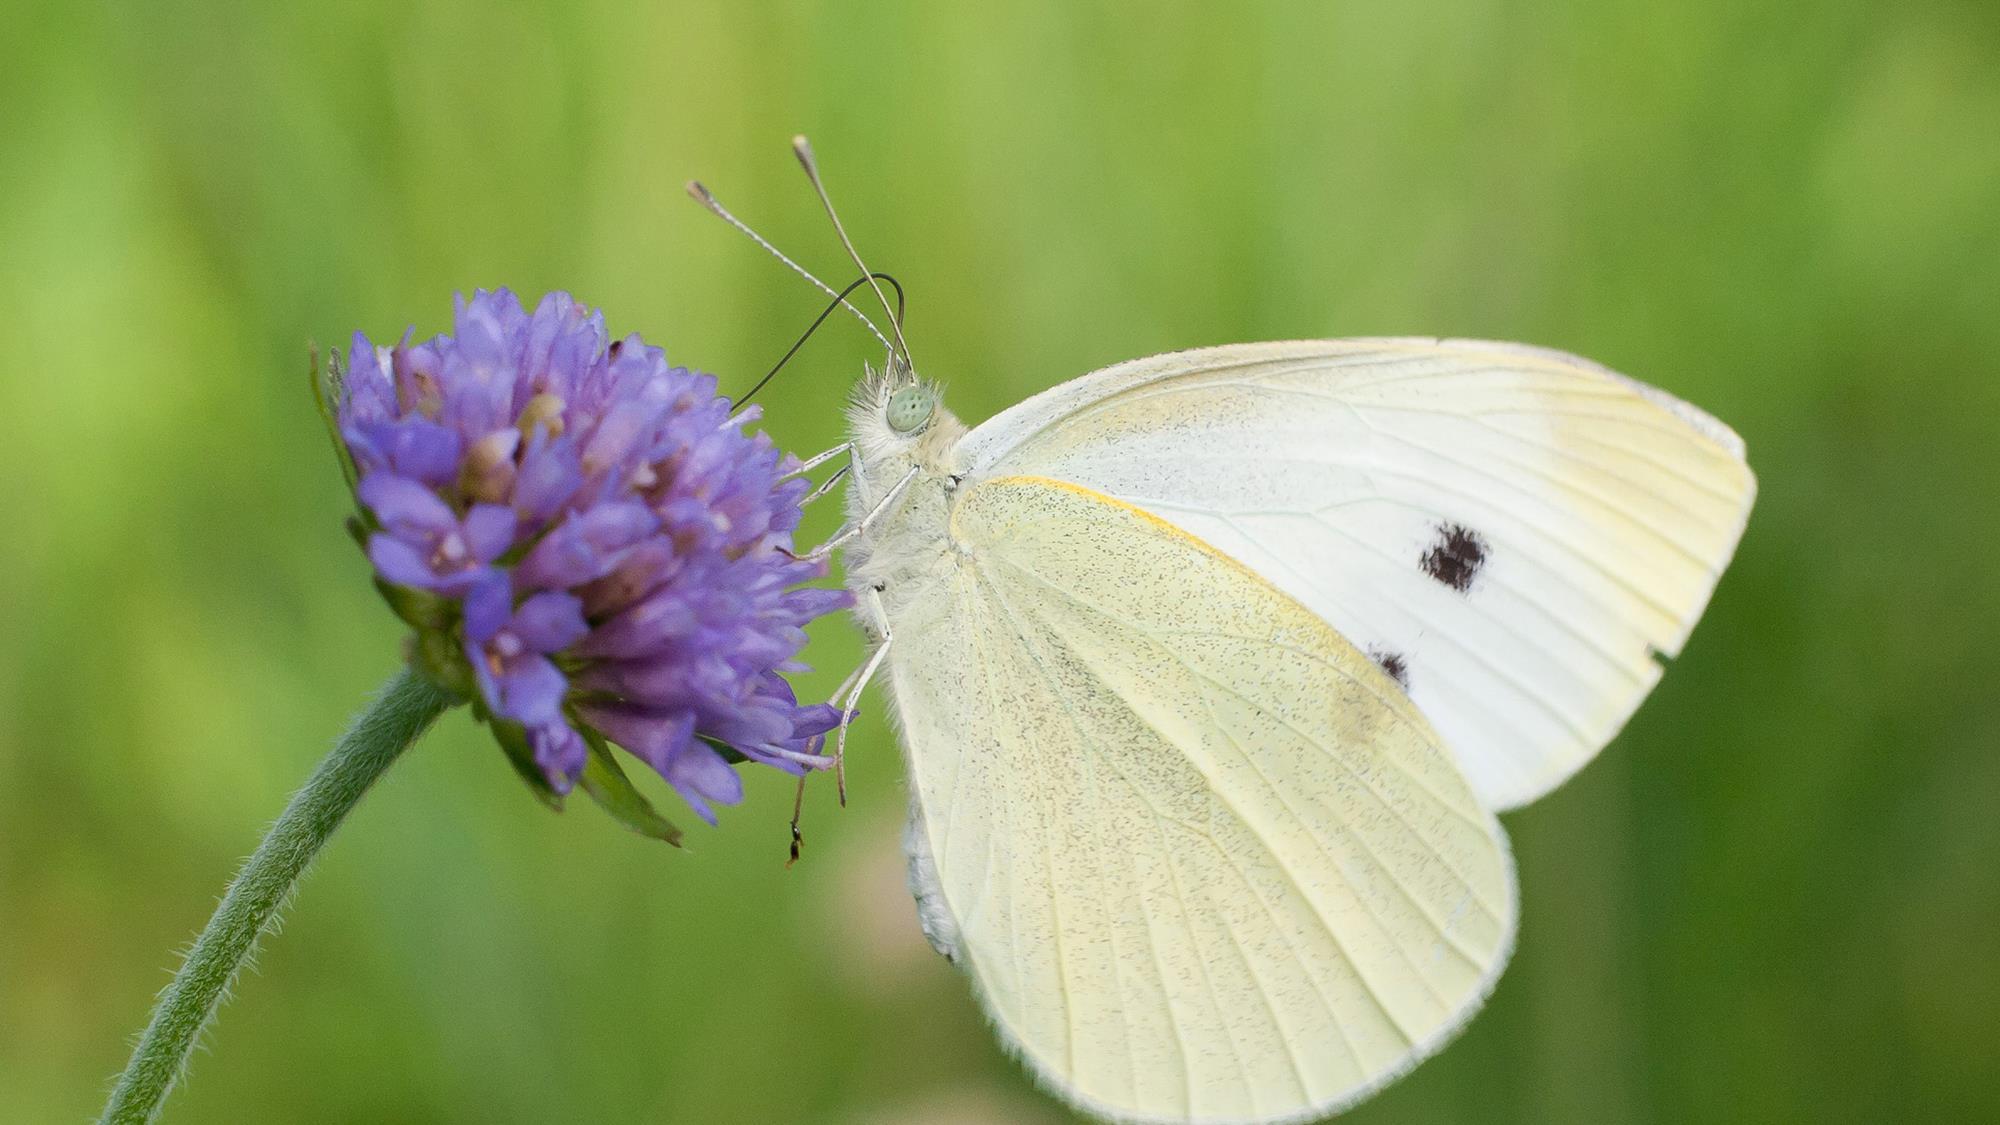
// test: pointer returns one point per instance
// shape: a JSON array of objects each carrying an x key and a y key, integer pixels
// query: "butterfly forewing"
[{"x": 1512, "y": 534}]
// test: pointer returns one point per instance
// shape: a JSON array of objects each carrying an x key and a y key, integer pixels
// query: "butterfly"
[{"x": 1213, "y": 669}]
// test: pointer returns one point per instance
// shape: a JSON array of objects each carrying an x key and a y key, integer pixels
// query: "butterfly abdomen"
[{"x": 940, "y": 928}]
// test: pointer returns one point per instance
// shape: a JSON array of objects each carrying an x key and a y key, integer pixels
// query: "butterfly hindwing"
[{"x": 1201, "y": 856}]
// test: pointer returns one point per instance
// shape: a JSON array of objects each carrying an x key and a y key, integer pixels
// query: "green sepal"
[
  {"x": 607, "y": 784},
  {"x": 513, "y": 739},
  {"x": 436, "y": 657},
  {"x": 326, "y": 391},
  {"x": 420, "y": 609}
]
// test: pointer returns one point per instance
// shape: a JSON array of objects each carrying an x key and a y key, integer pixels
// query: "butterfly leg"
[
  {"x": 826, "y": 485},
  {"x": 849, "y": 693},
  {"x": 853, "y": 698},
  {"x": 846, "y": 449},
  {"x": 853, "y": 532},
  {"x": 799, "y": 797},
  {"x": 818, "y": 459}
]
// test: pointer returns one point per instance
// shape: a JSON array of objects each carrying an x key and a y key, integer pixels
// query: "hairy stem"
[{"x": 380, "y": 734}]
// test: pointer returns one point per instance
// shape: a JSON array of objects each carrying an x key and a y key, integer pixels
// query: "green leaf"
[
  {"x": 607, "y": 784},
  {"x": 513, "y": 738}
]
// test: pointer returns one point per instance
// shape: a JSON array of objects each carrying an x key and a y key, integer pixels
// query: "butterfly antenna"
[
  {"x": 838, "y": 301},
  {"x": 803, "y": 150},
  {"x": 707, "y": 199}
]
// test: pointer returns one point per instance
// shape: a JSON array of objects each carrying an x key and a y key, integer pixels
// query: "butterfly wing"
[
  {"x": 1515, "y": 534},
  {"x": 1200, "y": 856}
]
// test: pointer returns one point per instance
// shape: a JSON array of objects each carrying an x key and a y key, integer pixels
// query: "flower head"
[{"x": 589, "y": 545}]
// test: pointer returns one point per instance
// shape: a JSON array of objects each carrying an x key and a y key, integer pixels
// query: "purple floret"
[{"x": 612, "y": 549}]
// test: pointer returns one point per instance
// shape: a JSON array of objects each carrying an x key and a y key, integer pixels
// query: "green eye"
[{"x": 910, "y": 409}]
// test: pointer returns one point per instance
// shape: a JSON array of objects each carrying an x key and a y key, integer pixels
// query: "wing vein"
[
  {"x": 1055, "y": 908},
  {"x": 1076, "y": 724},
  {"x": 1303, "y": 736}
]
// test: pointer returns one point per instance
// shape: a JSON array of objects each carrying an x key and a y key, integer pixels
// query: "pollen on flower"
[{"x": 595, "y": 536}]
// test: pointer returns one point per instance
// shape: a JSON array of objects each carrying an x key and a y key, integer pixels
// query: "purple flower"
[
  {"x": 604, "y": 550},
  {"x": 424, "y": 542}
]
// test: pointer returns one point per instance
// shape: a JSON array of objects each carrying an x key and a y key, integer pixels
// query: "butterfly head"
[
  {"x": 909, "y": 410},
  {"x": 899, "y": 419}
]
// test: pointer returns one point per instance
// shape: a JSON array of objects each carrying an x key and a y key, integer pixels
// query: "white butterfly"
[{"x": 1213, "y": 668}]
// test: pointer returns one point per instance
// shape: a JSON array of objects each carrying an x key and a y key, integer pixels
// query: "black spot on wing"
[
  {"x": 1394, "y": 664},
  {"x": 1456, "y": 557}
]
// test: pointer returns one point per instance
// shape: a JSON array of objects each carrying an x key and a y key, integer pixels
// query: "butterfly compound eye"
[{"x": 910, "y": 409}]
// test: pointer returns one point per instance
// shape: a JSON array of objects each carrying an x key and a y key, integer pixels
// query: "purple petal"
[
  {"x": 362, "y": 364},
  {"x": 549, "y": 475},
  {"x": 531, "y": 692},
  {"x": 619, "y": 434},
  {"x": 813, "y": 601},
  {"x": 699, "y": 772},
  {"x": 750, "y": 726},
  {"x": 482, "y": 671},
  {"x": 647, "y": 566},
  {"x": 422, "y": 451},
  {"x": 368, "y": 395},
  {"x": 664, "y": 618},
  {"x": 398, "y": 562},
  {"x": 488, "y": 604},
  {"x": 586, "y": 547},
  {"x": 404, "y": 506},
  {"x": 652, "y": 736},
  {"x": 457, "y": 583},
  {"x": 365, "y": 442},
  {"x": 618, "y": 524},
  {"x": 548, "y": 622},
  {"x": 560, "y": 752},
  {"x": 489, "y": 531},
  {"x": 810, "y": 722},
  {"x": 417, "y": 372},
  {"x": 562, "y": 559}
]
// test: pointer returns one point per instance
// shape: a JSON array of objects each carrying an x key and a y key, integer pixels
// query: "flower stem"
[{"x": 380, "y": 734}]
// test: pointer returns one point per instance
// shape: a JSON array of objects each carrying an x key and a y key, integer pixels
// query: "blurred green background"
[{"x": 1775, "y": 898}]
